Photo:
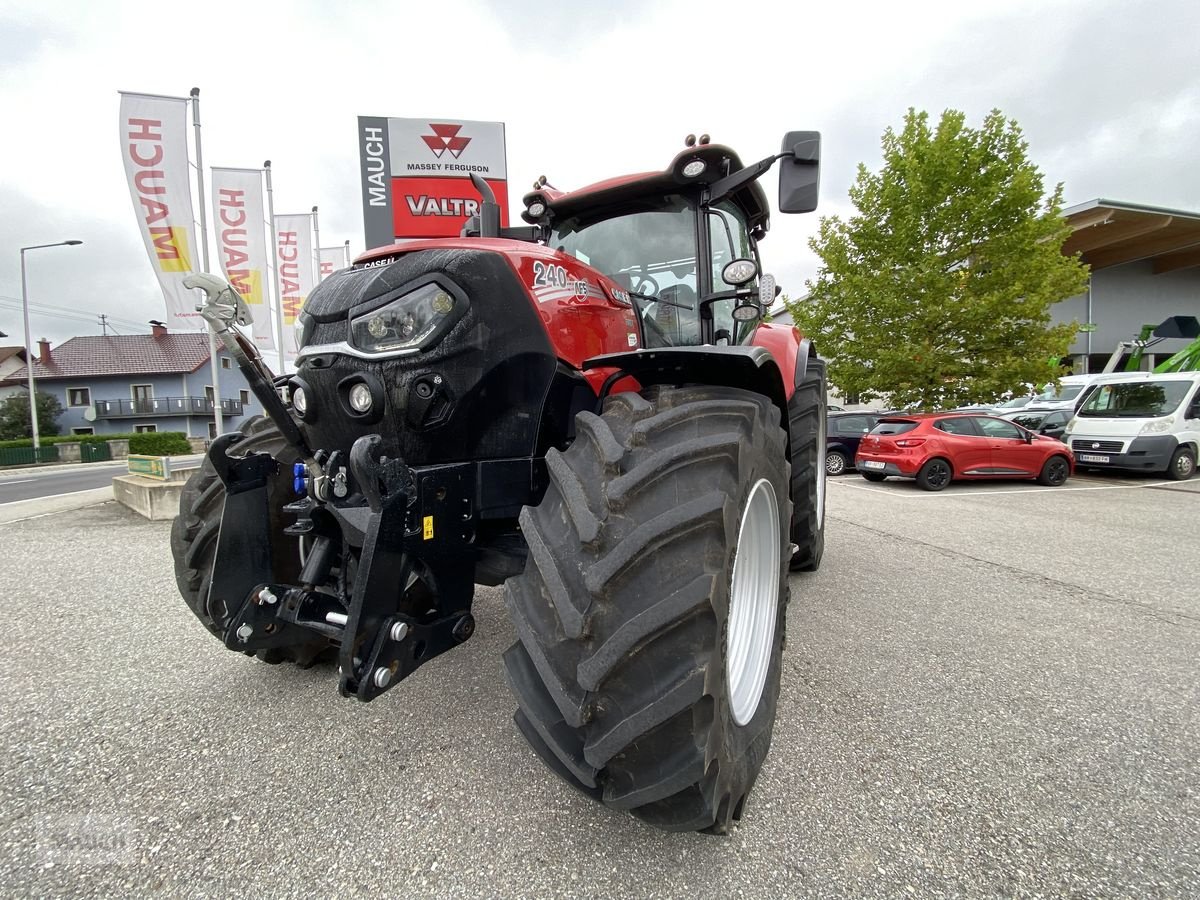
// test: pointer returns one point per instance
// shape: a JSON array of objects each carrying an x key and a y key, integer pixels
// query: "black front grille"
[{"x": 1096, "y": 446}]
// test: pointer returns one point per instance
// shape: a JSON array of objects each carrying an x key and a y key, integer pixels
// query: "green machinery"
[{"x": 1176, "y": 327}]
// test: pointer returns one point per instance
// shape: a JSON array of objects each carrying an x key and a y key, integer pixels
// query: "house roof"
[
  {"x": 124, "y": 354},
  {"x": 1110, "y": 232},
  {"x": 10, "y": 352}
]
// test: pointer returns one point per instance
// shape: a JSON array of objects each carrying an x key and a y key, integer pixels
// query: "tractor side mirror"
[{"x": 800, "y": 172}]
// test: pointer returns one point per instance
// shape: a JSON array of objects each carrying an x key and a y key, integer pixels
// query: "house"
[
  {"x": 162, "y": 381},
  {"x": 12, "y": 361}
]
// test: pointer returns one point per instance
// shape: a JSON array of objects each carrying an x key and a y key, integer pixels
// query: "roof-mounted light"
[
  {"x": 536, "y": 209},
  {"x": 695, "y": 168}
]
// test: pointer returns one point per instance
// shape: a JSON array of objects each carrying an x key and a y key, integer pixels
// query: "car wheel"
[
  {"x": 1183, "y": 464},
  {"x": 873, "y": 476},
  {"x": 835, "y": 463},
  {"x": 934, "y": 475},
  {"x": 1055, "y": 471}
]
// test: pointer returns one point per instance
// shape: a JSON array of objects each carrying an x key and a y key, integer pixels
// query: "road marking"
[
  {"x": 22, "y": 481},
  {"x": 1028, "y": 490},
  {"x": 52, "y": 496}
]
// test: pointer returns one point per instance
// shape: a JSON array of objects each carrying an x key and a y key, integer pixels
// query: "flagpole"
[
  {"x": 275, "y": 267},
  {"x": 316, "y": 247},
  {"x": 212, "y": 338}
]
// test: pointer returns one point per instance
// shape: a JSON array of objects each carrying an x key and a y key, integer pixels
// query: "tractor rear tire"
[
  {"x": 807, "y": 420},
  {"x": 650, "y": 615},
  {"x": 194, "y": 535}
]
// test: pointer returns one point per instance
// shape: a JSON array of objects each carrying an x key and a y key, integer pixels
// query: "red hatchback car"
[{"x": 936, "y": 448}]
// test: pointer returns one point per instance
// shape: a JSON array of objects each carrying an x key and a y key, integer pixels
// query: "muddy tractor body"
[{"x": 588, "y": 409}]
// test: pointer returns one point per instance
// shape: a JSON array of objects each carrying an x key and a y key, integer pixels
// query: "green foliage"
[
  {"x": 938, "y": 291},
  {"x": 175, "y": 441},
  {"x": 14, "y": 416},
  {"x": 159, "y": 443}
]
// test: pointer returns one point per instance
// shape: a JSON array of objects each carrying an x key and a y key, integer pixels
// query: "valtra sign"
[{"x": 416, "y": 175}]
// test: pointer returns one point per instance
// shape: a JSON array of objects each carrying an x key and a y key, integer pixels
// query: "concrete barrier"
[
  {"x": 151, "y": 497},
  {"x": 68, "y": 452}
]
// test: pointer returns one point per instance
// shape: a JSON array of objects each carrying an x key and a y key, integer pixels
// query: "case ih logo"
[{"x": 445, "y": 137}]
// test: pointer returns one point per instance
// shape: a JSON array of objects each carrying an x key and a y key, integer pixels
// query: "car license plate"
[
  {"x": 1090, "y": 457},
  {"x": 872, "y": 464}
]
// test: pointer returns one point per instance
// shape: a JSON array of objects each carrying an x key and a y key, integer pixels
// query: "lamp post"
[{"x": 29, "y": 341}]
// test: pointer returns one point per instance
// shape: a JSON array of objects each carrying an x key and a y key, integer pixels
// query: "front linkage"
[
  {"x": 369, "y": 523},
  {"x": 397, "y": 515}
]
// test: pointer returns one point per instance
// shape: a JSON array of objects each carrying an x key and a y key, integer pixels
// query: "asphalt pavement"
[
  {"x": 50, "y": 480},
  {"x": 988, "y": 691}
]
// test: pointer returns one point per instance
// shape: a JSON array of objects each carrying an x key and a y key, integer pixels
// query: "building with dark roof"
[{"x": 110, "y": 384}]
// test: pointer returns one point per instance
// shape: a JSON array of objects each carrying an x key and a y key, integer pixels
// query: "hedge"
[
  {"x": 149, "y": 443},
  {"x": 159, "y": 443}
]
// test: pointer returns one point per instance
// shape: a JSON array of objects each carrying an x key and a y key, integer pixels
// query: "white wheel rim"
[
  {"x": 753, "y": 602},
  {"x": 821, "y": 474}
]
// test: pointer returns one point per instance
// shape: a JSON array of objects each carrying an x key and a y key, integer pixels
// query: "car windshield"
[
  {"x": 652, "y": 254},
  {"x": 1014, "y": 403},
  {"x": 1061, "y": 394},
  {"x": 1142, "y": 399},
  {"x": 1028, "y": 420}
]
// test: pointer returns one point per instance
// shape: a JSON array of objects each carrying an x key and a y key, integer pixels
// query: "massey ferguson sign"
[{"x": 416, "y": 175}]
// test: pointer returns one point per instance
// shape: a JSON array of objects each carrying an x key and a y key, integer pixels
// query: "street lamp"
[{"x": 29, "y": 341}]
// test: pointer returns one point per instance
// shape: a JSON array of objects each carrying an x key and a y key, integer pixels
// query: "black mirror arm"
[{"x": 730, "y": 183}]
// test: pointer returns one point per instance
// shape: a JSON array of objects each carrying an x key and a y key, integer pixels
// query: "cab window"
[{"x": 729, "y": 239}]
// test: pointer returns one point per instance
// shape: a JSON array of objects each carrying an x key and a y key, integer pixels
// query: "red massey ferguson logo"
[{"x": 445, "y": 137}]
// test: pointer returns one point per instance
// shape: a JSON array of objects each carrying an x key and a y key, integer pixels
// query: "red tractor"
[{"x": 589, "y": 410}]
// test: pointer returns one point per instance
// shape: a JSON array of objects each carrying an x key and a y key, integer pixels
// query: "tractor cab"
[{"x": 683, "y": 243}]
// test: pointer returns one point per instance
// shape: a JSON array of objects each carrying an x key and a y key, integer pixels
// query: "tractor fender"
[
  {"x": 750, "y": 368},
  {"x": 791, "y": 350}
]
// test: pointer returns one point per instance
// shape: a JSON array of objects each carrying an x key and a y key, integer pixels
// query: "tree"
[
  {"x": 14, "y": 416},
  {"x": 938, "y": 292}
]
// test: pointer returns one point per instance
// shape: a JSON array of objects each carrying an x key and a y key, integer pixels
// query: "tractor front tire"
[
  {"x": 194, "y": 535},
  {"x": 807, "y": 421},
  {"x": 650, "y": 615}
]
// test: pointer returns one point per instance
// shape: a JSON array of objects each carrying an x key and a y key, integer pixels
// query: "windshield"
[
  {"x": 1142, "y": 399},
  {"x": 1066, "y": 392},
  {"x": 1014, "y": 403},
  {"x": 652, "y": 254}
]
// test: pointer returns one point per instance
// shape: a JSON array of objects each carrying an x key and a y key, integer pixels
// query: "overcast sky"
[{"x": 1108, "y": 95}]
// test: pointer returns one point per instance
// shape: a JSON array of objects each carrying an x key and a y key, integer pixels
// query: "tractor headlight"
[
  {"x": 360, "y": 398},
  {"x": 407, "y": 322}
]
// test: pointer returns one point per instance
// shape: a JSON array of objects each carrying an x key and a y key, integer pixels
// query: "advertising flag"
[
  {"x": 416, "y": 175},
  {"x": 241, "y": 226},
  {"x": 154, "y": 146},
  {"x": 294, "y": 256},
  {"x": 332, "y": 259}
]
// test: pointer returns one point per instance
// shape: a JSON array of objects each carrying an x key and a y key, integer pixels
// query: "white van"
[{"x": 1140, "y": 421}]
